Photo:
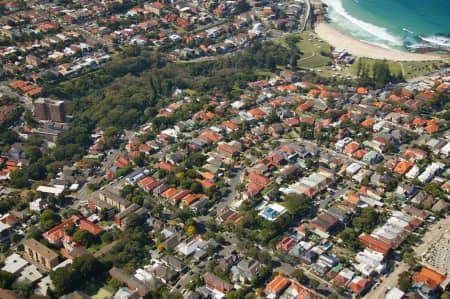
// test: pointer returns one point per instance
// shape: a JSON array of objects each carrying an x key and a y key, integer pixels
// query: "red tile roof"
[
  {"x": 278, "y": 284},
  {"x": 368, "y": 122},
  {"x": 375, "y": 244},
  {"x": 431, "y": 278},
  {"x": 259, "y": 179},
  {"x": 166, "y": 166},
  {"x": 169, "y": 193}
]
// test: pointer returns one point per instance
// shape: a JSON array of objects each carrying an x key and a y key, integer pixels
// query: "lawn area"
[
  {"x": 104, "y": 292},
  {"x": 416, "y": 69},
  {"x": 411, "y": 69},
  {"x": 264, "y": 74},
  {"x": 311, "y": 47},
  {"x": 97, "y": 290}
]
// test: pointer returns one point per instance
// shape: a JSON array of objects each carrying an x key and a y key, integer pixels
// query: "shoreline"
[{"x": 360, "y": 48}]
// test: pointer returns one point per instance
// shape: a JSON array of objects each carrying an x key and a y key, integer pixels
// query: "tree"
[
  {"x": 296, "y": 204},
  {"x": 37, "y": 171},
  {"x": 404, "y": 281},
  {"x": 210, "y": 250},
  {"x": 381, "y": 74},
  {"x": 29, "y": 120},
  {"x": 49, "y": 219},
  {"x": 366, "y": 219},
  {"x": 24, "y": 289},
  {"x": 140, "y": 160},
  {"x": 114, "y": 284},
  {"x": 350, "y": 239},
  {"x": 191, "y": 230},
  {"x": 63, "y": 280},
  {"x": 19, "y": 178},
  {"x": 6, "y": 279},
  {"x": 241, "y": 7},
  {"x": 157, "y": 210},
  {"x": 15, "y": 237},
  {"x": 446, "y": 295},
  {"x": 87, "y": 266},
  {"x": 410, "y": 259},
  {"x": 390, "y": 148},
  {"x": 264, "y": 274},
  {"x": 83, "y": 237},
  {"x": 264, "y": 257},
  {"x": 134, "y": 222},
  {"x": 300, "y": 276},
  {"x": 196, "y": 187},
  {"x": 33, "y": 153},
  {"x": 314, "y": 283},
  {"x": 34, "y": 233}
]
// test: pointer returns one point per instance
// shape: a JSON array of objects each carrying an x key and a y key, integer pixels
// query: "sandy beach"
[{"x": 362, "y": 49}]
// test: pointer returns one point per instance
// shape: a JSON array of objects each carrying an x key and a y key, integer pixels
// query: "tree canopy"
[{"x": 49, "y": 219}]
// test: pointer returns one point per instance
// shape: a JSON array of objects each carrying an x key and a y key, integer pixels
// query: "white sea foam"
[
  {"x": 437, "y": 40},
  {"x": 376, "y": 31},
  {"x": 407, "y": 30},
  {"x": 418, "y": 46}
]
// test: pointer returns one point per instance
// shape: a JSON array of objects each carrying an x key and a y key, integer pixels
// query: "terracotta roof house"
[
  {"x": 230, "y": 125},
  {"x": 210, "y": 136},
  {"x": 259, "y": 179},
  {"x": 277, "y": 286},
  {"x": 148, "y": 183},
  {"x": 375, "y": 244},
  {"x": 403, "y": 167},
  {"x": 253, "y": 189},
  {"x": 257, "y": 113},
  {"x": 166, "y": 166},
  {"x": 429, "y": 277},
  {"x": 190, "y": 198},
  {"x": 360, "y": 153},
  {"x": 419, "y": 122},
  {"x": 169, "y": 193},
  {"x": 431, "y": 128},
  {"x": 305, "y": 106},
  {"x": 361, "y": 90},
  {"x": 416, "y": 154},
  {"x": 351, "y": 147},
  {"x": 358, "y": 285},
  {"x": 177, "y": 197},
  {"x": 217, "y": 283},
  {"x": 286, "y": 244},
  {"x": 307, "y": 120},
  {"x": 368, "y": 122},
  {"x": 209, "y": 176}
]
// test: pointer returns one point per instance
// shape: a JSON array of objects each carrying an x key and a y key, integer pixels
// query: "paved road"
[
  {"x": 391, "y": 280},
  {"x": 82, "y": 194},
  {"x": 305, "y": 21},
  {"x": 237, "y": 179}
]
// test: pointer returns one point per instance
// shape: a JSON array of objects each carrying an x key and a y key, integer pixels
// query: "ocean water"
[{"x": 408, "y": 25}]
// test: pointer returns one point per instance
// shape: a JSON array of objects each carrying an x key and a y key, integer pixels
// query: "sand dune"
[{"x": 362, "y": 49}]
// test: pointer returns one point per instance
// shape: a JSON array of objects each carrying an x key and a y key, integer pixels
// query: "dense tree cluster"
[
  {"x": 378, "y": 75},
  {"x": 73, "y": 276}
]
